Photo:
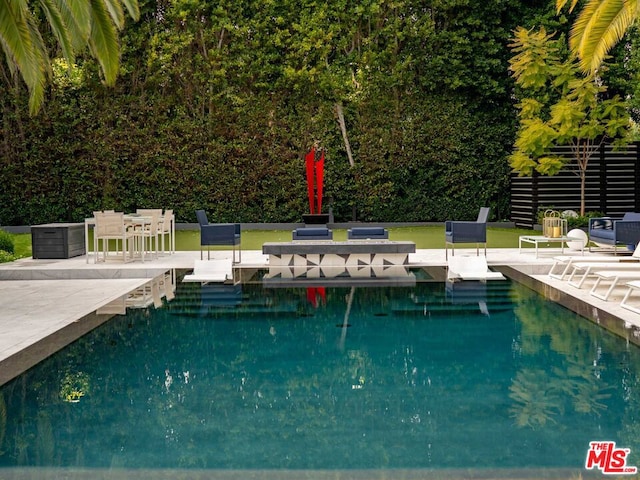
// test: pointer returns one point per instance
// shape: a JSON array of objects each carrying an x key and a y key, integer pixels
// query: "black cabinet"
[{"x": 57, "y": 240}]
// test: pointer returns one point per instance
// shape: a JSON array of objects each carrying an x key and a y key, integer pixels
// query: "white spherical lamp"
[{"x": 580, "y": 241}]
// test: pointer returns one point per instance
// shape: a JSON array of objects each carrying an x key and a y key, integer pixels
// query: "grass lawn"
[{"x": 424, "y": 237}]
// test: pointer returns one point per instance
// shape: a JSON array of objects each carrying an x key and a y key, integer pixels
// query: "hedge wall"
[{"x": 217, "y": 105}]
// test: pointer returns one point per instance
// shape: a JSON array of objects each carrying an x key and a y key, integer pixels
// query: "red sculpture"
[
  {"x": 315, "y": 183},
  {"x": 315, "y": 180}
]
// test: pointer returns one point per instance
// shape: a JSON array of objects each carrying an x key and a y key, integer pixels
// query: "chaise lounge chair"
[
  {"x": 614, "y": 277},
  {"x": 589, "y": 268},
  {"x": 570, "y": 262},
  {"x": 624, "y": 303}
]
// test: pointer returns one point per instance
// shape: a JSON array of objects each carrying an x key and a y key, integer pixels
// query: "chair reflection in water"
[
  {"x": 147, "y": 294},
  {"x": 152, "y": 292},
  {"x": 223, "y": 296},
  {"x": 468, "y": 292}
]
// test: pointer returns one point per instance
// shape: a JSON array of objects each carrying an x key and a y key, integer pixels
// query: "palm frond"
[
  {"x": 561, "y": 3},
  {"x": 600, "y": 25},
  {"x": 37, "y": 89},
  {"x": 103, "y": 41},
  {"x": 24, "y": 48},
  {"x": 133, "y": 8},
  {"x": 59, "y": 28},
  {"x": 77, "y": 17},
  {"x": 17, "y": 41},
  {"x": 114, "y": 7},
  {"x": 74, "y": 23}
]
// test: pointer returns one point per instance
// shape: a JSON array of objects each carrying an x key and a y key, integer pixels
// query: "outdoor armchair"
[
  {"x": 612, "y": 232},
  {"x": 218, "y": 234},
  {"x": 467, "y": 232}
]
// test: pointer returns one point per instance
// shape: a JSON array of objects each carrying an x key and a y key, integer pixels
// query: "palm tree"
[
  {"x": 75, "y": 24},
  {"x": 599, "y": 26}
]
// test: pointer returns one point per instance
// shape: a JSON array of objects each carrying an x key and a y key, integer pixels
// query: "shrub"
[
  {"x": 6, "y": 242},
  {"x": 573, "y": 221},
  {"x": 582, "y": 220},
  {"x": 6, "y": 257}
]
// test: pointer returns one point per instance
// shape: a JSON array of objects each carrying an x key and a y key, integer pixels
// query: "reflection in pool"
[{"x": 428, "y": 376}]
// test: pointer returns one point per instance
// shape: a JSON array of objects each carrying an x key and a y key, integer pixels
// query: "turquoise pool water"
[{"x": 418, "y": 377}]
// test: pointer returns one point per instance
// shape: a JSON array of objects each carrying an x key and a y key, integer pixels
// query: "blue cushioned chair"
[
  {"x": 313, "y": 233},
  {"x": 367, "y": 233},
  {"x": 467, "y": 232},
  {"x": 218, "y": 234},
  {"x": 613, "y": 232}
]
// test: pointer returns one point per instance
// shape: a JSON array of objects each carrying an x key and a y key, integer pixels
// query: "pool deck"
[{"x": 46, "y": 304}]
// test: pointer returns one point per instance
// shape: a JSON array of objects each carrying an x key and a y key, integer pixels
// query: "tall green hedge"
[{"x": 218, "y": 102}]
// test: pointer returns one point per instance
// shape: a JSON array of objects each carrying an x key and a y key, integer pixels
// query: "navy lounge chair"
[
  {"x": 613, "y": 232},
  {"x": 218, "y": 234},
  {"x": 467, "y": 232}
]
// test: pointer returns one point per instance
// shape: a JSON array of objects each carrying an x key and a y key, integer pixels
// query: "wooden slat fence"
[{"x": 612, "y": 187}]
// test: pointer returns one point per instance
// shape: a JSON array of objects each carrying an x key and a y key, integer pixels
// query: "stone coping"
[{"x": 307, "y": 247}]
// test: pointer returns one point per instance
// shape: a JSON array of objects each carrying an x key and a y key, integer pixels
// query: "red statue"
[{"x": 315, "y": 180}]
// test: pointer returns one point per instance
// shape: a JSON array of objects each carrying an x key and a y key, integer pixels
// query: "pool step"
[
  {"x": 226, "y": 299},
  {"x": 485, "y": 308}
]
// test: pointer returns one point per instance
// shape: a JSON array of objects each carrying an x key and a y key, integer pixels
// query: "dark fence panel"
[{"x": 612, "y": 187}]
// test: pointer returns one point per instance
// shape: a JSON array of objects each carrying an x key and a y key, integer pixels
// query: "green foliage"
[
  {"x": 6, "y": 257},
  {"x": 74, "y": 26},
  {"x": 573, "y": 221},
  {"x": 582, "y": 221},
  {"x": 7, "y": 247},
  {"x": 559, "y": 106},
  {"x": 216, "y": 106},
  {"x": 6, "y": 242}
]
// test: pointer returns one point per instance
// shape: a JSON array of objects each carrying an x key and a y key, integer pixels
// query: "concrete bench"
[
  {"x": 330, "y": 253},
  {"x": 367, "y": 233}
]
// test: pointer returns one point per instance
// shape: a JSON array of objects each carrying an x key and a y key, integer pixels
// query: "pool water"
[{"x": 430, "y": 376}]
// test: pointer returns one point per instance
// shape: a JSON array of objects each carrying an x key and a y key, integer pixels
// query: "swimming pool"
[{"x": 431, "y": 377}]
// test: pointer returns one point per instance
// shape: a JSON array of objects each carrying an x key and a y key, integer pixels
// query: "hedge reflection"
[{"x": 566, "y": 365}]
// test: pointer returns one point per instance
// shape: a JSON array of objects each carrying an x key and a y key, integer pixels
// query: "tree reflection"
[
  {"x": 536, "y": 401},
  {"x": 578, "y": 382}
]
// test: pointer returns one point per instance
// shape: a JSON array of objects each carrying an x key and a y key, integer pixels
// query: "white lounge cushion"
[
  {"x": 211, "y": 271},
  {"x": 471, "y": 268}
]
